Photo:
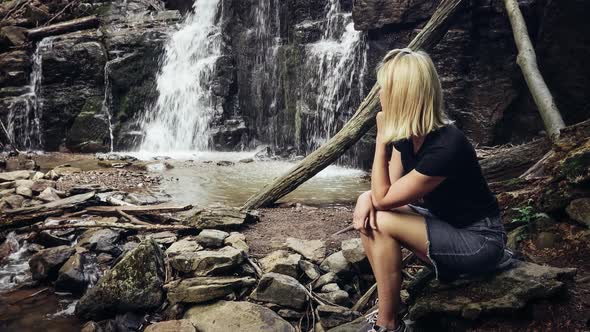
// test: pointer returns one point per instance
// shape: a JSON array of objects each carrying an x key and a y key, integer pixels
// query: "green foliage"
[{"x": 526, "y": 215}]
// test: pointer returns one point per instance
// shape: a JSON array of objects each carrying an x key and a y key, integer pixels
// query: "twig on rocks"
[
  {"x": 257, "y": 268},
  {"x": 132, "y": 219},
  {"x": 362, "y": 302}
]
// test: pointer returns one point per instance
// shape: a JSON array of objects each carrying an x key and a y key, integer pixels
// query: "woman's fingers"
[{"x": 372, "y": 219}]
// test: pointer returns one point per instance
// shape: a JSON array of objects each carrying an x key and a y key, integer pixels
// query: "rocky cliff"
[{"x": 291, "y": 72}]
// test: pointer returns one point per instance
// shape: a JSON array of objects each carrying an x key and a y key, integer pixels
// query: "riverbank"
[{"x": 71, "y": 265}]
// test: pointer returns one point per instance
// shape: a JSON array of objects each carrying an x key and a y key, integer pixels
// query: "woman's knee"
[{"x": 387, "y": 221}]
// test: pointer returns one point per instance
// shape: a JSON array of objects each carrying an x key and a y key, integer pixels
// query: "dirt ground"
[{"x": 302, "y": 222}]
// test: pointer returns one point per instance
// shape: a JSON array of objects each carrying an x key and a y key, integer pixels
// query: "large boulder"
[
  {"x": 336, "y": 263},
  {"x": 281, "y": 261},
  {"x": 280, "y": 289},
  {"x": 134, "y": 284},
  {"x": 100, "y": 240},
  {"x": 203, "y": 289},
  {"x": 46, "y": 263},
  {"x": 504, "y": 293},
  {"x": 313, "y": 250},
  {"x": 353, "y": 251},
  {"x": 71, "y": 276},
  {"x": 579, "y": 210},
  {"x": 183, "y": 246},
  {"x": 15, "y": 175},
  {"x": 206, "y": 262},
  {"x": 211, "y": 238},
  {"x": 225, "y": 316},
  {"x": 220, "y": 218},
  {"x": 182, "y": 325}
]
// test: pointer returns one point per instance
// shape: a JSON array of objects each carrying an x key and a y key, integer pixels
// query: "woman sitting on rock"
[{"x": 458, "y": 231}]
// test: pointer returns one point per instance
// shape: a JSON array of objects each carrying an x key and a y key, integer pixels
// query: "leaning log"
[
  {"x": 509, "y": 163},
  {"x": 358, "y": 125},
  {"x": 527, "y": 60},
  {"x": 64, "y": 27}
]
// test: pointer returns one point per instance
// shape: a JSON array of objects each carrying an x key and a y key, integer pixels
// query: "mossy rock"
[
  {"x": 504, "y": 293},
  {"x": 90, "y": 130},
  {"x": 134, "y": 284}
]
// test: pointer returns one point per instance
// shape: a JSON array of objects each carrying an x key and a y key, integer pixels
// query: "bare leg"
[{"x": 383, "y": 250}]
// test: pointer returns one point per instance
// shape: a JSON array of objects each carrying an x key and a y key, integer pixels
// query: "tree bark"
[
  {"x": 508, "y": 163},
  {"x": 358, "y": 125},
  {"x": 527, "y": 60},
  {"x": 64, "y": 27}
]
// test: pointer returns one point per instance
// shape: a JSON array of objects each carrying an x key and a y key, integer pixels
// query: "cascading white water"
[
  {"x": 265, "y": 72},
  {"x": 24, "y": 111},
  {"x": 106, "y": 102},
  {"x": 180, "y": 119},
  {"x": 339, "y": 59}
]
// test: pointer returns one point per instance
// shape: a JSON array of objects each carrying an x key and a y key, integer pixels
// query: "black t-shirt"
[{"x": 464, "y": 196}]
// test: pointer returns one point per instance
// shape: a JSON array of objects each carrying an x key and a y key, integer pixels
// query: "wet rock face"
[
  {"x": 374, "y": 14},
  {"x": 14, "y": 68},
  {"x": 73, "y": 62},
  {"x": 134, "y": 284}
]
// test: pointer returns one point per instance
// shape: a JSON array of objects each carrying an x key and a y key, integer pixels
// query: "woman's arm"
[{"x": 391, "y": 190}]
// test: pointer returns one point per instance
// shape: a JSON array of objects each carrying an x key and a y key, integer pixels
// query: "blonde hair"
[{"x": 411, "y": 95}]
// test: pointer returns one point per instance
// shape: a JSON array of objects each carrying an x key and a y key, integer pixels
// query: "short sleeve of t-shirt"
[{"x": 436, "y": 161}]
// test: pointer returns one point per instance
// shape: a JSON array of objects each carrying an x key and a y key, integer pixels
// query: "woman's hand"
[
  {"x": 364, "y": 214},
  {"x": 380, "y": 127}
]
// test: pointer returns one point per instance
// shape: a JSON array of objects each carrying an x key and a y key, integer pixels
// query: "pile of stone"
[{"x": 29, "y": 188}]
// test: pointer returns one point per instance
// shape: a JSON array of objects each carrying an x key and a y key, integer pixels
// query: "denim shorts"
[{"x": 463, "y": 252}]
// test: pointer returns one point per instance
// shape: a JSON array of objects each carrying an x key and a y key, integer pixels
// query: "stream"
[{"x": 196, "y": 178}]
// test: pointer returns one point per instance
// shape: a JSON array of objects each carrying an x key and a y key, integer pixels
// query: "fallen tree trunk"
[
  {"x": 358, "y": 125},
  {"x": 103, "y": 224},
  {"x": 64, "y": 27},
  {"x": 527, "y": 60},
  {"x": 136, "y": 210},
  {"x": 562, "y": 177},
  {"x": 508, "y": 163}
]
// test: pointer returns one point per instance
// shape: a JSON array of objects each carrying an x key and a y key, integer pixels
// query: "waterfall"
[
  {"x": 338, "y": 60},
  {"x": 107, "y": 101},
  {"x": 266, "y": 84},
  {"x": 24, "y": 111},
  {"x": 179, "y": 120}
]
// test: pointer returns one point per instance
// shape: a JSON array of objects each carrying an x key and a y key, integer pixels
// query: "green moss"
[
  {"x": 102, "y": 10},
  {"x": 576, "y": 165}
]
